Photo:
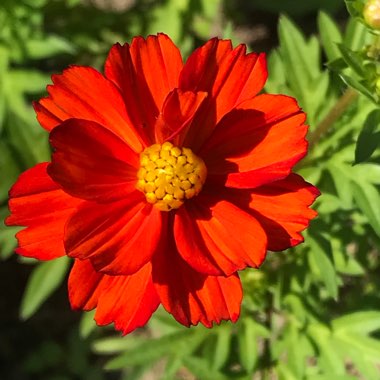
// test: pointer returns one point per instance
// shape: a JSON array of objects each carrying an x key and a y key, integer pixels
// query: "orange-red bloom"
[{"x": 167, "y": 178}]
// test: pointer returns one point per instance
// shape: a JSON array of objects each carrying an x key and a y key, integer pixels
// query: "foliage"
[{"x": 310, "y": 313}]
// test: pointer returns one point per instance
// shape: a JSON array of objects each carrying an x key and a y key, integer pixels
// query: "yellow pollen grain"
[{"x": 169, "y": 175}]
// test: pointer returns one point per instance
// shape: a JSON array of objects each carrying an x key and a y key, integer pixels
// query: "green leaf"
[
  {"x": 369, "y": 137},
  {"x": 353, "y": 59},
  {"x": 293, "y": 45},
  {"x": 247, "y": 341},
  {"x": 331, "y": 376},
  {"x": 26, "y": 81},
  {"x": 149, "y": 351},
  {"x": 9, "y": 170},
  {"x": 26, "y": 137},
  {"x": 367, "y": 172},
  {"x": 222, "y": 347},
  {"x": 45, "y": 278},
  {"x": 113, "y": 345},
  {"x": 356, "y": 35},
  {"x": 361, "y": 322},
  {"x": 329, "y": 359},
  {"x": 4, "y": 61},
  {"x": 342, "y": 181},
  {"x": 48, "y": 47},
  {"x": 330, "y": 35},
  {"x": 167, "y": 18},
  {"x": 87, "y": 324},
  {"x": 337, "y": 65},
  {"x": 7, "y": 235},
  {"x": 369, "y": 347},
  {"x": 354, "y": 83},
  {"x": 368, "y": 199},
  {"x": 200, "y": 368},
  {"x": 321, "y": 256}
]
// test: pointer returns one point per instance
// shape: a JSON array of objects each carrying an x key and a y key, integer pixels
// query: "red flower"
[{"x": 166, "y": 179}]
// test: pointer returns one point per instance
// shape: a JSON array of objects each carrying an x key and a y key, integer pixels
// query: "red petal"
[
  {"x": 230, "y": 76},
  {"x": 119, "y": 237},
  {"x": 128, "y": 301},
  {"x": 92, "y": 163},
  {"x": 192, "y": 297},
  {"x": 83, "y": 93},
  {"x": 145, "y": 72},
  {"x": 177, "y": 112},
  {"x": 38, "y": 203},
  {"x": 282, "y": 209},
  {"x": 218, "y": 238},
  {"x": 258, "y": 143}
]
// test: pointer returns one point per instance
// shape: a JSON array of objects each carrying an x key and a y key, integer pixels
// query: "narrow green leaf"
[
  {"x": 342, "y": 181},
  {"x": 337, "y": 65},
  {"x": 4, "y": 61},
  {"x": 368, "y": 199},
  {"x": 27, "y": 81},
  {"x": 369, "y": 347},
  {"x": 295, "y": 353},
  {"x": 48, "y": 47},
  {"x": 200, "y": 368},
  {"x": 353, "y": 59},
  {"x": 9, "y": 170},
  {"x": 293, "y": 45},
  {"x": 369, "y": 137},
  {"x": 184, "y": 341},
  {"x": 354, "y": 83},
  {"x": 247, "y": 341},
  {"x": 45, "y": 278},
  {"x": 331, "y": 376},
  {"x": 87, "y": 324},
  {"x": 361, "y": 322},
  {"x": 321, "y": 255},
  {"x": 222, "y": 347},
  {"x": 367, "y": 172},
  {"x": 330, "y": 35},
  {"x": 356, "y": 35},
  {"x": 7, "y": 235},
  {"x": 114, "y": 345}
]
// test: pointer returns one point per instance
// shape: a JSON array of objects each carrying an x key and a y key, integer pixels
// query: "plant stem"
[{"x": 349, "y": 96}]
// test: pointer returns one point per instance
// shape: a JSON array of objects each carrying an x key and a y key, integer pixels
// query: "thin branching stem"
[{"x": 349, "y": 96}]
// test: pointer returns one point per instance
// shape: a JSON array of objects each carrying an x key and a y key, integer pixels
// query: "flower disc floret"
[{"x": 169, "y": 175}]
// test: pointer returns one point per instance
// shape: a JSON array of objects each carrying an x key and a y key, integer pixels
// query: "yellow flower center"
[{"x": 169, "y": 175}]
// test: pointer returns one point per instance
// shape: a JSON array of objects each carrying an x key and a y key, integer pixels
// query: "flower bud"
[{"x": 371, "y": 13}]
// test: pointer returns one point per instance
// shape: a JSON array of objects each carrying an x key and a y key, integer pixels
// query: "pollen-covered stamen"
[{"x": 169, "y": 175}]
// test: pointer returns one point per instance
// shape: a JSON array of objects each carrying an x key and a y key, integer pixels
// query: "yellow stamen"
[{"x": 169, "y": 175}]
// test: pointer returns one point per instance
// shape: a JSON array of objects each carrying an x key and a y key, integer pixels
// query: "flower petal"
[
  {"x": 257, "y": 143},
  {"x": 177, "y": 113},
  {"x": 230, "y": 76},
  {"x": 218, "y": 238},
  {"x": 118, "y": 237},
  {"x": 91, "y": 162},
  {"x": 82, "y": 92},
  {"x": 282, "y": 208},
  {"x": 128, "y": 301},
  {"x": 38, "y": 203},
  {"x": 192, "y": 297},
  {"x": 145, "y": 72}
]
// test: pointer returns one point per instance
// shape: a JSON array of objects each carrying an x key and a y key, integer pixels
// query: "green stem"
[{"x": 335, "y": 113}]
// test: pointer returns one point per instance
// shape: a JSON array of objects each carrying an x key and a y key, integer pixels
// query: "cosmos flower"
[{"x": 166, "y": 179}]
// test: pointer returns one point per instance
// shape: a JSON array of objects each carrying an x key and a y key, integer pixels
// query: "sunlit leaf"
[{"x": 330, "y": 35}]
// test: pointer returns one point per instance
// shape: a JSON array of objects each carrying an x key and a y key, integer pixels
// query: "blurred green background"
[{"x": 311, "y": 313}]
